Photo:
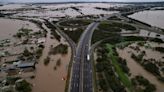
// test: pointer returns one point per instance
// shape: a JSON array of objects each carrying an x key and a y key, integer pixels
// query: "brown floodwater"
[
  {"x": 145, "y": 33},
  {"x": 136, "y": 69},
  {"x": 65, "y": 10},
  {"x": 9, "y": 27},
  {"x": 154, "y": 18},
  {"x": 47, "y": 79},
  {"x": 11, "y": 6}
]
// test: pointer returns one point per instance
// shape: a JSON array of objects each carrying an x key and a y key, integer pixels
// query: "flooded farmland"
[
  {"x": 145, "y": 33},
  {"x": 154, "y": 18},
  {"x": 47, "y": 77},
  {"x": 9, "y": 27},
  {"x": 59, "y": 10},
  {"x": 137, "y": 69},
  {"x": 11, "y": 6},
  {"x": 36, "y": 41}
]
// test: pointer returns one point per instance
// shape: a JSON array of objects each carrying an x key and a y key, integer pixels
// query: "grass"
[
  {"x": 94, "y": 74},
  {"x": 74, "y": 35},
  {"x": 125, "y": 80},
  {"x": 107, "y": 30},
  {"x": 115, "y": 26},
  {"x": 79, "y": 24},
  {"x": 75, "y": 23},
  {"x": 97, "y": 37},
  {"x": 114, "y": 18}
]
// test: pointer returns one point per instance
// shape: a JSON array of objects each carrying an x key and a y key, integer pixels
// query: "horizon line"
[{"x": 82, "y": 1}]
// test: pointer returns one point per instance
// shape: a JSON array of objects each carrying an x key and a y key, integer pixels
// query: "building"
[{"x": 26, "y": 65}]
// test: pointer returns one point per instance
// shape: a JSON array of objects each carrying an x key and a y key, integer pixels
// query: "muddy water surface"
[
  {"x": 136, "y": 69},
  {"x": 47, "y": 79},
  {"x": 154, "y": 18},
  {"x": 9, "y": 27}
]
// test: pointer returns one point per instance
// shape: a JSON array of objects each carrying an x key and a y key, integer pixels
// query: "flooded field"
[
  {"x": 49, "y": 77},
  {"x": 103, "y": 5},
  {"x": 63, "y": 13},
  {"x": 41, "y": 58},
  {"x": 153, "y": 18},
  {"x": 145, "y": 33},
  {"x": 59, "y": 10},
  {"x": 137, "y": 69},
  {"x": 49, "y": 13},
  {"x": 93, "y": 11},
  {"x": 9, "y": 27},
  {"x": 13, "y": 49},
  {"x": 11, "y": 6}
]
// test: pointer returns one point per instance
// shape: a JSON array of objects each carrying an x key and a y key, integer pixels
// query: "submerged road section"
[{"x": 81, "y": 79}]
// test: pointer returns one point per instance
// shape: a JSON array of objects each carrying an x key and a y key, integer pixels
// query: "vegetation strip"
[{"x": 125, "y": 80}]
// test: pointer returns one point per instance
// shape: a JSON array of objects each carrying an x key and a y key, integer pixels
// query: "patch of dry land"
[{"x": 150, "y": 55}]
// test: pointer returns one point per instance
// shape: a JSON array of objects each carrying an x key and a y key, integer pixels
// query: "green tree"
[
  {"x": 23, "y": 86},
  {"x": 27, "y": 53}
]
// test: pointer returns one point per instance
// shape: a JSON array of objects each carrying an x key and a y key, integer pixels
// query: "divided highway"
[
  {"x": 81, "y": 74},
  {"x": 81, "y": 79}
]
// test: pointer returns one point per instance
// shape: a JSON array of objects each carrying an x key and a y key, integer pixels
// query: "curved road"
[{"x": 81, "y": 80}]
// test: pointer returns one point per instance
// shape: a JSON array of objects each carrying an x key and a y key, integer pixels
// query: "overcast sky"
[{"x": 79, "y": 0}]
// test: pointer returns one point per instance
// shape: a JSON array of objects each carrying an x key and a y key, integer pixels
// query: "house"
[
  {"x": 11, "y": 70},
  {"x": 26, "y": 65},
  {"x": 41, "y": 40}
]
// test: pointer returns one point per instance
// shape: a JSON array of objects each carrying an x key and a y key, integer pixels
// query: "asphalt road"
[
  {"x": 81, "y": 77},
  {"x": 81, "y": 80}
]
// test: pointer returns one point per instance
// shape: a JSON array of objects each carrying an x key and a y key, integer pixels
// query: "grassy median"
[{"x": 123, "y": 77}]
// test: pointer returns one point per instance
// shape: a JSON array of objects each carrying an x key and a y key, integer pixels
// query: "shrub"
[
  {"x": 23, "y": 86},
  {"x": 39, "y": 52},
  {"x": 58, "y": 63},
  {"x": 74, "y": 35},
  {"x": 157, "y": 40},
  {"x": 160, "y": 49},
  {"x": 161, "y": 79},
  {"x": 60, "y": 49},
  {"x": 146, "y": 85},
  {"x": 27, "y": 53},
  {"x": 46, "y": 61},
  {"x": 149, "y": 66},
  {"x": 53, "y": 30},
  {"x": 137, "y": 58}
]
